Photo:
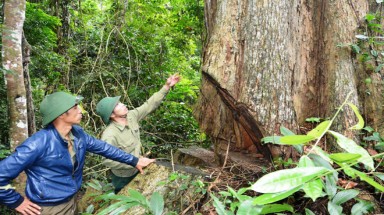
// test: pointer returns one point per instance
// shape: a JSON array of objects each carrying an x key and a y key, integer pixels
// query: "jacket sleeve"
[
  {"x": 12, "y": 166},
  {"x": 104, "y": 149},
  {"x": 151, "y": 104}
]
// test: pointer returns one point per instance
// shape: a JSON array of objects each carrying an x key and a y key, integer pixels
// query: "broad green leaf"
[
  {"x": 243, "y": 190},
  {"x": 285, "y": 131},
  {"x": 95, "y": 185},
  {"x": 138, "y": 196},
  {"x": 369, "y": 180},
  {"x": 122, "y": 209},
  {"x": 351, "y": 147},
  {"x": 320, "y": 129},
  {"x": 305, "y": 161},
  {"x": 379, "y": 175},
  {"x": 247, "y": 208},
  {"x": 274, "y": 197},
  {"x": 344, "y": 196},
  {"x": 324, "y": 155},
  {"x": 271, "y": 139},
  {"x": 219, "y": 206},
  {"x": 374, "y": 137},
  {"x": 309, "y": 212},
  {"x": 363, "y": 207},
  {"x": 314, "y": 189},
  {"x": 380, "y": 146},
  {"x": 348, "y": 170},
  {"x": 114, "y": 206},
  {"x": 360, "y": 123},
  {"x": 330, "y": 185},
  {"x": 296, "y": 139},
  {"x": 369, "y": 129},
  {"x": 344, "y": 157},
  {"x": 90, "y": 209},
  {"x": 287, "y": 179},
  {"x": 276, "y": 208},
  {"x": 320, "y": 161},
  {"x": 334, "y": 209},
  {"x": 156, "y": 203}
]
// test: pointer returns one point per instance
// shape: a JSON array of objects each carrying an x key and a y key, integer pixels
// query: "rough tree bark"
[
  {"x": 281, "y": 63},
  {"x": 12, "y": 60}
]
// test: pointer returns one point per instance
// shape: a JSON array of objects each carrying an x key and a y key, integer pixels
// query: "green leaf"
[
  {"x": 379, "y": 67},
  {"x": 309, "y": 212},
  {"x": 220, "y": 208},
  {"x": 247, "y": 208},
  {"x": 324, "y": 155},
  {"x": 285, "y": 131},
  {"x": 344, "y": 196},
  {"x": 344, "y": 157},
  {"x": 156, "y": 203},
  {"x": 271, "y": 139},
  {"x": 369, "y": 129},
  {"x": 330, "y": 185},
  {"x": 379, "y": 175},
  {"x": 369, "y": 17},
  {"x": 90, "y": 209},
  {"x": 287, "y": 179},
  {"x": 114, "y": 206},
  {"x": 320, "y": 129},
  {"x": 296, "y": 139},
  {"x": 334, "y": 209},
  {"x": 375, "y": 137},
  {"x": 351, "y": 147},
  {"x": 360, "y": 124},
  {"x": 313, "y": 189},
  {"x": 275, "y": 208},
  {"x": 362, "y": 207},
  {"x": 95, "y": 185},
  {"x": 274, "y": 197},
  {"x": 380, "y": 146},
  {"x": 138, "y": 196},
  {"x": 369, "y": 180},
  {"x": 305, "y": 161}
]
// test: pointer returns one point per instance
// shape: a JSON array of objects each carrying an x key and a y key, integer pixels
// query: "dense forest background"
[{"x": 107, "y": 48}]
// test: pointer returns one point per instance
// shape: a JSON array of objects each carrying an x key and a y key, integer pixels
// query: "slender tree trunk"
[
  {"x": 280, "y": 61},
  {"x": 27, "y": 81},
  {"x": 14, "y": 15}
]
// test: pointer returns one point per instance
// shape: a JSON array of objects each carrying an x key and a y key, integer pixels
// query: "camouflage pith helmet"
[
  {"x": 105, "y": 107},
  {"x": 55, "y": 104}
]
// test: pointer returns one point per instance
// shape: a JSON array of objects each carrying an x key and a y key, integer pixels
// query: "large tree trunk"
[
  {"x": 14, "y": 15},
  {"x": 280, "y": 62}
]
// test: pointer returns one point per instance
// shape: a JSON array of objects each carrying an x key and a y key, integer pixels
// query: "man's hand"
[
  {"x": 28, "y": 208},
  {"x": 172, "y": 80},
  {"x": 143, "y": 162}
]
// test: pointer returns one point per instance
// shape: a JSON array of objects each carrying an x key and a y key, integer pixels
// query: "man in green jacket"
[{"x": 123, "y": 130}]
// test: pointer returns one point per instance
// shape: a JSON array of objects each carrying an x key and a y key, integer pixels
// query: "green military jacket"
[{"x": 127, "y": 137}]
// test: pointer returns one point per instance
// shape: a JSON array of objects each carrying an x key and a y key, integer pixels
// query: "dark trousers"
[{"x": 120, "y": 182}]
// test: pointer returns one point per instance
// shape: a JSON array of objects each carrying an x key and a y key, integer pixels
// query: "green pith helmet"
[
  {"x": 105, "y": 107},
  {"x": 56, "y": 104}
]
